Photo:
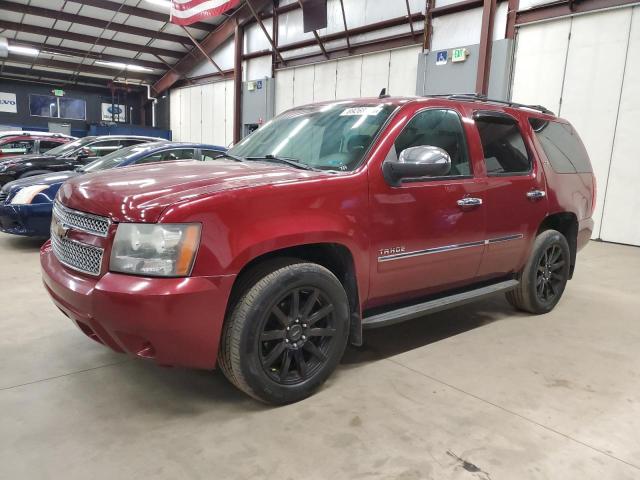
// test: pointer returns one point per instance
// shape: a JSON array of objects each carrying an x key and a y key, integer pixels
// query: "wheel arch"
[
  {"x": 335, "y": 257},
  {"x": 567, "y": 224}
]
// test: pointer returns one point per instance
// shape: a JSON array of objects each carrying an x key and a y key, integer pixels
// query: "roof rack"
[{"x": 475, "y": 97}]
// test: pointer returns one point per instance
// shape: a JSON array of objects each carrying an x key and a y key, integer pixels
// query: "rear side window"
[
  {"x": 503, "y": 145},
  {"x": 562, "y": 146},
  {"x": 17, "y": 148},
  {"x": 48, "y": 145}
]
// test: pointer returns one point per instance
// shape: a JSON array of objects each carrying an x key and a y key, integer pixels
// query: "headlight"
[
  {"x": 158, "y": 250},
  {"x": 26, "y": 195}
]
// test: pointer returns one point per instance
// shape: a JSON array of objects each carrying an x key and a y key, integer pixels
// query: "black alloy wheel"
[
  {"x": 294, "y": 345},
  {"x": 549, "y": 278}
]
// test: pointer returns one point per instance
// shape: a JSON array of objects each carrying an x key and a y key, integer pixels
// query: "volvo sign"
[{"x": 8, "y": 102}]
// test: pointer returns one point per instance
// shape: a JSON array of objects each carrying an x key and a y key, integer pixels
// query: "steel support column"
[
  {"x": 237, "y": 83},
  {"x": 484, "y": 56}
]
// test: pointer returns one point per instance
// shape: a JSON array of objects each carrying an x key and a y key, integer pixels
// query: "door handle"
[
  {"x": 536, "y": 194},
  {"x": 469, "y": 202}
]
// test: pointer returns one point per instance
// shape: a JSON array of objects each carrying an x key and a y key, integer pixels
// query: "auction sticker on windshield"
[{"x": 361, "y": 111}]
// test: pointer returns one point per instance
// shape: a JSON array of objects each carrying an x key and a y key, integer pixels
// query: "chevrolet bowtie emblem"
[{"x": 59, "y": 229}]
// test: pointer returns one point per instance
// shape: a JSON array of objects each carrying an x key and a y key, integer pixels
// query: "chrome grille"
[
  {"x": 85, "y": 222},
  {"x": 3, "y": 196},
  {"x": 78, "y": 256}
]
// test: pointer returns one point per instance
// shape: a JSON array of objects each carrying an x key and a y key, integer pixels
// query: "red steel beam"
[
  {"x": 74, "y": 52},
  {"x": 484, "y": 54},
  {"x": 512, "y": 11},
  {"x": 90, "y": 39},
  {"x": 72, "y": 67},
  {"x": 91, "y": 22},
  {"x": 237, "y": 83}
]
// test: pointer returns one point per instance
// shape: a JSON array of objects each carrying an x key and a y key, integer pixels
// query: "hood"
[
  {"x": 24, "y": 158},
  {"x": 142, "y": 193},
  {"x": 44, "y": 179}
]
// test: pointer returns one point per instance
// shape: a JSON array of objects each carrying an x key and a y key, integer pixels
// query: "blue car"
[{"x": 26, "y": 204}]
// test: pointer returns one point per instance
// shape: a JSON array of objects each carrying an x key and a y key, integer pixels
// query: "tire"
[
  {"x": 545, "y": 275},
  {"x": 269, "y": 355}
]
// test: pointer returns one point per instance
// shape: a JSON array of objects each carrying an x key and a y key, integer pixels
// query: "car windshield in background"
[
  {"x": 116, "y": 158},
  {"x": 67, "y": 148},
  {"x": 332, "y": 136}
]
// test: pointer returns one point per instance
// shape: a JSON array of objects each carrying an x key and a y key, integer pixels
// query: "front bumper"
[
  {"x": 174, "y": 321},
  {"x": 32, "y": 220}
]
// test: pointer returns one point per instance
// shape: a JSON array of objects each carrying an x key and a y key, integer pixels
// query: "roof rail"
[{"x": 475, "y": 97}]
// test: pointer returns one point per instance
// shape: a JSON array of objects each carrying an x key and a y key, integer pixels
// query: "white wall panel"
[
  {"x": 593, "y": 79},
  {"x": 451, "y": 31},
  {"x": 174, "y": 113},
  {"x": 541, "y": 48},
  {"x": 228, "y": 108},
  {"x": 403, "y": 70},
  {"x": 207, "y": 132},
  {"x": 284, "y": 90},
  {"x": 324, "y": 85},
  {"x": 375, "y": 74},
  {"x": 185, "y": 106},
  {"x": 349, "y": 77},
  {"x": 621, "y": 205},
  {"x": 257, "y": 68},
  {"x": 303, "y": 85},
  {"x": 195, "y": 114},
  {"x": 219, "y": 114}
]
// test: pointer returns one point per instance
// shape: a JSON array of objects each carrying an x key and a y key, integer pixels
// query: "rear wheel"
[
  {"x": 544, "y": 276},
  {"x": 286, "y": 334}
]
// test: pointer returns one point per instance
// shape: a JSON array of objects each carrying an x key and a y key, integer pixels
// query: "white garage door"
[
  {"x": 361, "y": 76},
  {"x": 203, "y": 113},
  {"x": 587, "y": 69}
]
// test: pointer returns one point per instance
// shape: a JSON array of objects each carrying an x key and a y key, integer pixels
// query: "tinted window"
[
  {"x": 210, "y": 155},
  {"x": 17, "y": 148},
  {"x": 503, "y": 146},
  {"x": 168, "y": 155},
  {"x": 437, "y": 128},
  {"x": 57, "y": 107},
  {"x": 98, "y": 149},
  {"x": 562, "y": 146},
  {"x": 47, "y": 145}
]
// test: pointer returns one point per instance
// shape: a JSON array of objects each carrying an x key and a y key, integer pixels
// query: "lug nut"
[
  {"x": 304, "y": 337},
  {"x": 295, "y": 344},
  {"x": 286, "y": 340},
  {"x": 304, "y": 325},
  {"x": 288, "y": 328},
  {"x": 297, "y": 321}
]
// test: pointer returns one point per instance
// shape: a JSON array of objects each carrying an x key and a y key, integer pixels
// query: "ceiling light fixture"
[
  {"x": 162, "y": 3},
  {"x": 23, "y": 50},
  {"x": 123, "y": 66}
]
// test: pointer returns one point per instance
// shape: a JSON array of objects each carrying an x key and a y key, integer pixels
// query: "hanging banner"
[
  {"x": 114, "y": 113},
  {"x": 8, "y": 102},
  {"x": 186, "y": 12}
]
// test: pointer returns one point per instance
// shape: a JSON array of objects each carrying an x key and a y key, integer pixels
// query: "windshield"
[
  {"x": 332, "y": 136},
  {"x": 67, "y": 148},
  {"x": 116, "y": 158}
]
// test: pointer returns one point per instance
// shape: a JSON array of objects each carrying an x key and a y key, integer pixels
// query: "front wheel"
[
  {"x": 286, "y": 334},
  {"x": 544, "y": 276}
]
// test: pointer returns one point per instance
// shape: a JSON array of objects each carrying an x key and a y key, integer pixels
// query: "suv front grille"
[
  {"x": 85, "y": 222},
  {"x": 3, "y": 196},
  {"x": 78, "y": 256},
  {"x": 71, "y": 253}
]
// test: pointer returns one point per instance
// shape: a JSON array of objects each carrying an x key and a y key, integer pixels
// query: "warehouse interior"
[{"x": 480, "y": 391}]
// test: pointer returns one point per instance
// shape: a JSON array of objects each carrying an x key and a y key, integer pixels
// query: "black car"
[{"x": 66, "y": 157}]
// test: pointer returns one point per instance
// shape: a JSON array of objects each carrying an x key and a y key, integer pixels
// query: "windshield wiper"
[
  {"x": 230, "y": 156},
  {"x": 286, "y": 161}
]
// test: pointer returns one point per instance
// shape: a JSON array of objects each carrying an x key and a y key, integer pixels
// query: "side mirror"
[{"x": 417, "y": 162}]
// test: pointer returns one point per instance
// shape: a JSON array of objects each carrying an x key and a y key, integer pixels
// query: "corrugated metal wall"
[{"x": 587, "y": 68}]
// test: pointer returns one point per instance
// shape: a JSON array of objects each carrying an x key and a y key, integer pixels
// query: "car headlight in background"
[
  {"x": 159, "y": 250},
  {"x": 26, "y": 195}
]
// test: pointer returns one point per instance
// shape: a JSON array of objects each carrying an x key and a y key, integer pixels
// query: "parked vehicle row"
[
  {"x": 26, "y": 204},
  {"x": 330, "y": 219},
  {"x": 16, "y": 143}
]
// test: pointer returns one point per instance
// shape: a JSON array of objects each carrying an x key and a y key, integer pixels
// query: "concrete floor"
[{"x": 479, "y": 392}]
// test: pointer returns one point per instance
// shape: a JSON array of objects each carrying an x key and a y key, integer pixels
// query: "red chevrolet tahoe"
[{"x": 330, "y": 219}]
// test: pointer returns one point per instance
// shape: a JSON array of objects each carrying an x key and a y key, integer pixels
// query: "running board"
[{"x": 432, "y": 306}]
